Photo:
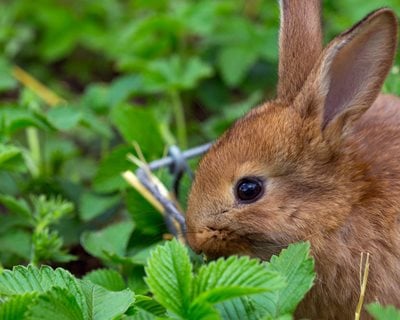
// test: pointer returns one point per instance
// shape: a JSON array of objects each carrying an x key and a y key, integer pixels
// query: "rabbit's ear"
[
  {"x": 300, "y": 44},
  {"x": 352, "y": 70}
]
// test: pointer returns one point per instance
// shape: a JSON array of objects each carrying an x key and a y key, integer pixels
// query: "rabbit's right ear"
[
  {"x": 300, "y": 44},
  {"x": 350, "y": 74}
]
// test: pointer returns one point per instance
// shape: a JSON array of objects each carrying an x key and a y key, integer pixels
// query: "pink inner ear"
[{"x": 356, "y": 72}]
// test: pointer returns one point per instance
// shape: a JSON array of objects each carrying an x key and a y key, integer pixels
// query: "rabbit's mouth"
[
  {"x": 224, "y": 242},
  {"x": 217, "y": 242}
]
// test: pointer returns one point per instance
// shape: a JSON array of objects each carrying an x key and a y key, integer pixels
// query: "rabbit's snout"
[{"x": 214, "y": 242}]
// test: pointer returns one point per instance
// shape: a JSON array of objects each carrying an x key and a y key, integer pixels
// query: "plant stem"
[
  {"x": 34, "y": 146},
  {"x": 179, "y": 119}
]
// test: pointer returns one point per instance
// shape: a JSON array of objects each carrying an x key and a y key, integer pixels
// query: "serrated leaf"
[
  {"x": 380, "y": 312},
  {"x": 297, "y": 267},
  {"x": 223, "y": 293},
  {"x": 57, "y": 303},
  {"x": 113, "y": 239},
  {"x": 169, "y": 276},
  {"x": 15, "y": 307},
  {"x": 107, "y": 278},
  {"x": 202, "y": 311},
  {"x": 141, "y": 315},
  {"x": 31, "y": 279},
  {"x": 237, "y": 309},
  {"x": 233, "y": 277},
  {"x": 23, "y": 279},
  {"x": 282, "y": 317},
  {"x": 149, "y": 305},
  {"x": 103, "y": 304}
]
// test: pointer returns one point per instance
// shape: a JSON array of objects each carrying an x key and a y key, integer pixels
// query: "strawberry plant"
[{"x": 86, "y": 85}]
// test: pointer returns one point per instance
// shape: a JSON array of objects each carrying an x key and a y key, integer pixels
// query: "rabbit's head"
[{"x": 287, "y": 171}]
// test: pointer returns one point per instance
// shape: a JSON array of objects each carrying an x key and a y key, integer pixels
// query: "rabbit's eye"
[{"x": 249, "y": 189}]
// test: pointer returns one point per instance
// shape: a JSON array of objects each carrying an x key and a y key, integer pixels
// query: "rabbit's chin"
[{"x": 216, "y": 243}]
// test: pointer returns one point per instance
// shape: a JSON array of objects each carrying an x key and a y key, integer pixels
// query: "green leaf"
[
  {"x": 237, "y": 309},
  {"x": 107, "y": 278},
  {"x": 202, "y": 311},
  {"x": 234, "y": 63},
  {"x": 103, "y": 304},
  {"x": 92, "y": 205},
  {"x": 147, "y": 219},
  {"x": 113, "y": 239},
  {"x": 169, "y": 276},
  {"x": 21, "y": 280},
  {"x": 149, "y": 305},
  {"x": 296, "y": 266},
  {"x": 97, "y": 125},
  {"x": 174, "y": 73},
  {"x": 57, "y": 303},
  {"x": 15, "y": 307},
  {"x": 16, "y": 241},
  {"x": 123, "y": 87},
  {"x": 140, "y": 314},
  {"x": 14, "y": 119},
  {"x": 383, "y": 312},
  {"x": 108, "y": 177},
  {"x": 236, "y": 275},
  {"x": 10, "y": 156},
  {"x": 16, "y": 206},
  {"x": 64, "y": 117},
  {"x": 135, "y": 124}
]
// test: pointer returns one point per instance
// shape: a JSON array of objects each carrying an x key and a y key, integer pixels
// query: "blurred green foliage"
[{"x": 158, "y": 72}]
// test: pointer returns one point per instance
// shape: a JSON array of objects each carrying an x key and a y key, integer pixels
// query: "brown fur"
[{"x": 331, "y": 167}]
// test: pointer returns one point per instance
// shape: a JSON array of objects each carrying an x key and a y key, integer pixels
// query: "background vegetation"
[{"x": 157, "y": 72}]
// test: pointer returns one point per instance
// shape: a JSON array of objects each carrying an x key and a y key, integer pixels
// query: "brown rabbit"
[{"x": 319, "y": 163}]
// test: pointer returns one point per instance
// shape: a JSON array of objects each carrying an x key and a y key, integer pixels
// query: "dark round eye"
[{"x": 249, "y": 189}]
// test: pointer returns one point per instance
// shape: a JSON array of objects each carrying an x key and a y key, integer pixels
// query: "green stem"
[
  {"x": 34, "y": 257},
  {"x": 179, "y": 119},
  {"x": 34, "y": 146}
]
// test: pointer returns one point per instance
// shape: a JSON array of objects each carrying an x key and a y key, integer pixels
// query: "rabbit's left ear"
[{"x": 352, "y": 70}]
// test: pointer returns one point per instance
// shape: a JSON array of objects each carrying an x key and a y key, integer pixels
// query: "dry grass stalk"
[
  {"x": 364, "y": 270},
  {"x": 131, "y": 178},
  {"x": 51, "y": 98}
]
